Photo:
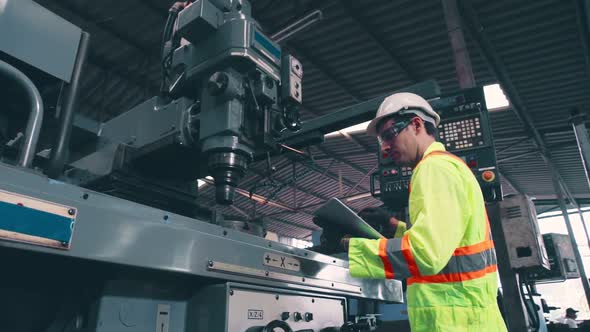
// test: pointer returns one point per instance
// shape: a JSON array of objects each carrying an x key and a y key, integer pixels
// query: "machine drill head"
[{"x": 227, "y": 169}]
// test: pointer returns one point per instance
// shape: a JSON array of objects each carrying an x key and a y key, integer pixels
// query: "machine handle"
[{"x": 270, "y": 327}]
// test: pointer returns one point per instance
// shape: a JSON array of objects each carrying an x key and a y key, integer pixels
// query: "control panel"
[{"x": 465, "y": 131}]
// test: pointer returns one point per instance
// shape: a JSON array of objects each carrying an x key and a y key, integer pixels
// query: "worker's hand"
[
  {"x": 381, "y": 220},
  {"x": 393, "y": 222},
  {"x": 345, "y": 241}
]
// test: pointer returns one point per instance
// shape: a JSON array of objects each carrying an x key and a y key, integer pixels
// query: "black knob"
[
  {"x": 297, "y": 316},
  {"x": 285, "y": 315},
  {"x": 217, "y": 83},
  {"x": 308, "y": 316}
]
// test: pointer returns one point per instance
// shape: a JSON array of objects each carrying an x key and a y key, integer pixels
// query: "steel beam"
[
  {"x": 480, "y": 36},
  {"x": 583, "y": 21},
  {"x": 510, "y": 182},
  {"x": 330, "y": 174},
  {"x": 293, "y": 185},
  {"x": 460, "y": 51},
  {"x": 583, "y": 143},
  {"x": 377, "y": 39},
  {"x": 570, "y": 231},
  {"x": 342, "y": 159},
  {"x": 518, "y": 155},
  {"x": 326, "y": 71}
]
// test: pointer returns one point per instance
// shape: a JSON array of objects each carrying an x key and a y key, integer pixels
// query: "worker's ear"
[{"x": 418, "y": 123}]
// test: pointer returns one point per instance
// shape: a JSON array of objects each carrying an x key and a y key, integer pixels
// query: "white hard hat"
[{"x": 403, "y": 103}]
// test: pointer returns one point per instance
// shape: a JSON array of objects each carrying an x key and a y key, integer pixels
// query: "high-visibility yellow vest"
[{"x": 447, "y": 256}]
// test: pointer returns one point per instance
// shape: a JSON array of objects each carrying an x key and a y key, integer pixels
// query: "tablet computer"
[{"x": 338, "y": 214}]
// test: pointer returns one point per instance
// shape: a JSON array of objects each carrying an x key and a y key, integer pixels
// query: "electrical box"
[
  {"x": 526, "y": 249},
  {"x": 561, "y": 258}
]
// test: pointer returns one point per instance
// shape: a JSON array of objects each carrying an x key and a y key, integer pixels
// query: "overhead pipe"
[
  {"x": 290, "y": 30},
  {"x": 35, "y": 120},
  {"x": 60, "y": 148}
]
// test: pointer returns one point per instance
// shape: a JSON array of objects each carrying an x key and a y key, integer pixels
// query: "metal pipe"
[
  {"x": 61, "y": 145},
  {"x": 35, "y": 117}
]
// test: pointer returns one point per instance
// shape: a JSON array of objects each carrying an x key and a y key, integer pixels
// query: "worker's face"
[{"x": 398, "y": 139}]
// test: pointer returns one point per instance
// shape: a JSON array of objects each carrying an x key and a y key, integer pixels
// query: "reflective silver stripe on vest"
[
  {"x": 470, "y": 263},
  {"x": 397, "y": 259}
]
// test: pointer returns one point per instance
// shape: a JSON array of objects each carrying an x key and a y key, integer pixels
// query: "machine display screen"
[{"x": 462, "y": 134}]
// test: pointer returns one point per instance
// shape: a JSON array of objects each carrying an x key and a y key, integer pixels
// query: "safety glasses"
[{"x": 389, "y": 134}]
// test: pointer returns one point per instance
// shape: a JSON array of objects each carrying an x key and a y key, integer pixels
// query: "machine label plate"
[
  {"x": 255, "y": 314},
  {"x": 282, "y": 262},
  {"x": 35, "y": 221}
]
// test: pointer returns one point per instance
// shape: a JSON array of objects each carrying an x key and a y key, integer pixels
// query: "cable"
[
  {"x": 169, "y": 42},
  {"x": 533, "y": 316}
]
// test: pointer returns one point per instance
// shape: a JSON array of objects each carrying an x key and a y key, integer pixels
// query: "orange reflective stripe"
[
  {"x": 384, "y": 259},
  {"x": 453, "y": 277},
  {"x": 407, "y": 252},
  {"x": 474, "y": 248}
]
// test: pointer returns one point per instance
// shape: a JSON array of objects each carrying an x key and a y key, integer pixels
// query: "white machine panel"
[
  {"x": 248, "y": 308},
  {"x": 233, "y": 307}
]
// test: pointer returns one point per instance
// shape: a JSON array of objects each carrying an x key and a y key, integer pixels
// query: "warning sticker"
[{"x": 282, "y": 262}]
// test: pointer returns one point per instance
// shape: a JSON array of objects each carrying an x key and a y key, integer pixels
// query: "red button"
[
  {"x": 472, "y": 163},
  {"x": 488, "y": 176},
  {"x": 393, "y": 171}
]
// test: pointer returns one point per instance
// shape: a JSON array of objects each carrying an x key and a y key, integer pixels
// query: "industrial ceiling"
[{"x": 537, "y": 51}]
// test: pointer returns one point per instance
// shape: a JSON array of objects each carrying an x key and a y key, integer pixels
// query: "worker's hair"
[{"x": 431, "y": 129}]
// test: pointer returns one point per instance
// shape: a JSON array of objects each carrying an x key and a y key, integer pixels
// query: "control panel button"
[
  {"x": 308, "y": 316},
  {"x": 297, "y": 316},
  {"x": 285, "y": 315},
  {"x": 488, "y": 176}
]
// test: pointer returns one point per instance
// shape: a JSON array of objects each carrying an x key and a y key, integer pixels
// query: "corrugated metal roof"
[{"x": 360, "y": 50}]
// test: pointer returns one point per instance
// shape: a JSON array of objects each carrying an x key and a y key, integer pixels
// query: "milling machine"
[{"x": 84, "y": 260}]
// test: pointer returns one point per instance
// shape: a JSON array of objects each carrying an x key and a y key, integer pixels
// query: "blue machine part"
[
  {"x": 267, "y": 47},
  {"x": 47, "y": 41},
  {"x": 28, "y": 221}
]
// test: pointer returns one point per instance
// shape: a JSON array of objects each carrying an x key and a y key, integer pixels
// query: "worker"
[
  {"x": 570, "y": 318},
  {"x": 447, "y": 256}
]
